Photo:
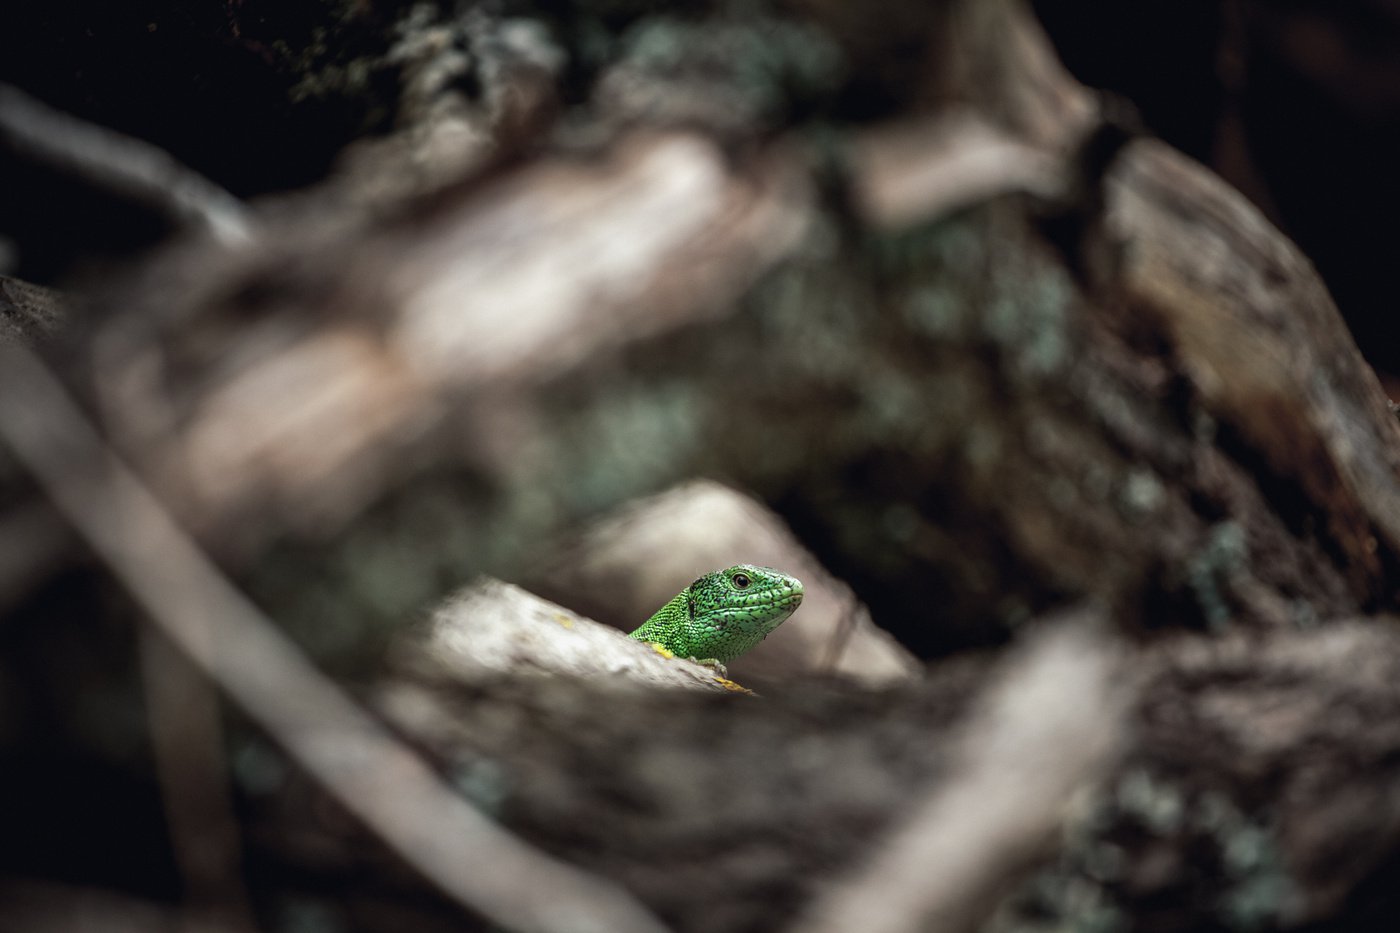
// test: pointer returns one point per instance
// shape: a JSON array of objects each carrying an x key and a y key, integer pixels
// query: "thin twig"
[
  {"x": 377, "y": 778},
  {"x": 119, "y": 163}
]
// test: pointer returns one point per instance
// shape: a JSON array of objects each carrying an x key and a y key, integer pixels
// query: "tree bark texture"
[{"x": 1008, "y": 380}]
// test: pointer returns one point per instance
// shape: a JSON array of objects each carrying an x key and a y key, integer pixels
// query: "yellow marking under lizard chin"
[
  {"x": 564, "y": 620},
  {"x": 661, "y": 649}
]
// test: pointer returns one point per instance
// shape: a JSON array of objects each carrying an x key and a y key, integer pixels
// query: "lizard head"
[{"x": 736, "y": 608}]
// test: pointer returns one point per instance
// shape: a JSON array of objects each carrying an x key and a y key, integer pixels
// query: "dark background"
[{"x": 1295, "y": 103}]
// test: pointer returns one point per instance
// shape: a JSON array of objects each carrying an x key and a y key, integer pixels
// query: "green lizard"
[{"x": 723, "y": 614}]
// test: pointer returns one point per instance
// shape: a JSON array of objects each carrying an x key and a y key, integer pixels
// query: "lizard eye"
[{"x": 741, "y": 580}]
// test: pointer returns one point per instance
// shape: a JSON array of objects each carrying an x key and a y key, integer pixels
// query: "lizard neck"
[{"x": 668, "y": 621}]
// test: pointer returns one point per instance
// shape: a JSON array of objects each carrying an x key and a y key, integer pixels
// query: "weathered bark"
[
  {"x": 1252, "y": 787},
  {"x": 990, "y": 358},
  {"x": 494, "y": 630},
  {"x": 964, "y": 360},
  {"x": 27, "y": 311}
]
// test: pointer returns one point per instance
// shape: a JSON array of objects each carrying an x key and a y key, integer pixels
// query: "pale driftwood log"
[
  {"x": 630, "y": 563},
  {"x": 494, "y": 630}
]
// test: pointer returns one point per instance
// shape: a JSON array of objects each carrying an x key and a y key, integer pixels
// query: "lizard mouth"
[
  {"x": 785, "y": 601},
  {"x": 791, "y": 598},
  {"x": 786, "y": 594}
]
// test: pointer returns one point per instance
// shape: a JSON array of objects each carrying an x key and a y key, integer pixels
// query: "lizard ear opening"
[{"x": 690, "y": 605}]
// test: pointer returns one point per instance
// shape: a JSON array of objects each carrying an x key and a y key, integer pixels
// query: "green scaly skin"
[{"x": 723, "y": 614}]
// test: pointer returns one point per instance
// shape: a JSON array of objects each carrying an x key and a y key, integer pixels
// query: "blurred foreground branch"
[
  {"x": 370, "y": 773},
  {"x": 131, "y": 167},
  {"x": 1046, "y": 729}
]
